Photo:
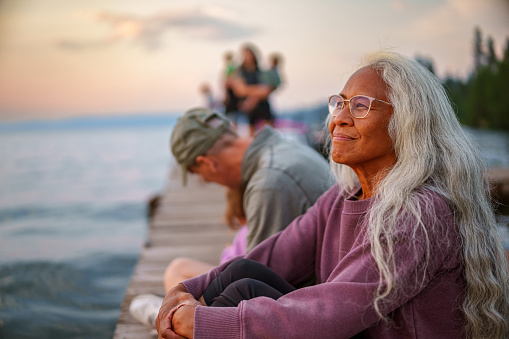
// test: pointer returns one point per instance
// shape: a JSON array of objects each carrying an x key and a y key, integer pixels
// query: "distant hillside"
[{"x": 112, "y": 121}]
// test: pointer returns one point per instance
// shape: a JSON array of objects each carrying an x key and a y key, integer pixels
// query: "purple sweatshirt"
[{"x": 329, "y": 241}]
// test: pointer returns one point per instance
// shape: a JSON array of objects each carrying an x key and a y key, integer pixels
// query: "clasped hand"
[{"x": 177, "y": 308}]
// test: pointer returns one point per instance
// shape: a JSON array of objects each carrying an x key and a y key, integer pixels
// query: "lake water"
[
  {"x": 494, "y": 146},
  {"x": 73, "y": 220},
  {"x": 72, "y": 224}
]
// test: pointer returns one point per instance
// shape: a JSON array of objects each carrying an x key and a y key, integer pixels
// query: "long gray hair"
[{"x": 434, "y": 152}]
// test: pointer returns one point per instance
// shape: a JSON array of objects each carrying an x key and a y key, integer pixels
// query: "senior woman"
[{"x": 404, "y": 246}]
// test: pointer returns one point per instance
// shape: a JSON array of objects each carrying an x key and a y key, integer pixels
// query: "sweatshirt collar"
[{"x": 353, "y": 206}]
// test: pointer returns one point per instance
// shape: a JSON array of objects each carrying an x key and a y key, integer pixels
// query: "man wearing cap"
[{"x": 281, "y": 178}]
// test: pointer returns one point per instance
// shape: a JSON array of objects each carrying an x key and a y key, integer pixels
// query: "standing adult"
[
  {"x": 256, "y": 107},
  {"x": 405, "y": 246}
]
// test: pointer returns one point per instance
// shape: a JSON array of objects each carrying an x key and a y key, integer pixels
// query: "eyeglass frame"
[{"x": 371, "y": 99}]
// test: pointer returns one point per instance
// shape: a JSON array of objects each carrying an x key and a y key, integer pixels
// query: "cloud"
[
  {"x": 198, "y": 22},
  {"x": 446, "y": 31},
  {"x": 454, "y": 16},
  {"x": 399, "y": 5}
]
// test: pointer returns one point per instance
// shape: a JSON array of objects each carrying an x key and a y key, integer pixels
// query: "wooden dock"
[{"x": 187, "y": 223}]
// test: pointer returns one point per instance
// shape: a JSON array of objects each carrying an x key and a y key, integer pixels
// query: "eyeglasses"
[{"x": 359, "y": 105}]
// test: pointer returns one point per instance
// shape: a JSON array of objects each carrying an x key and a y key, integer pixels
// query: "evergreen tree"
[
  {"x": 491, "y": 58},
  {"x": 483, "y": 99},
  {"x": 501, "y": 92},
  {"x": 478, "y": 53},
  {"x": 458, "y": 92}
]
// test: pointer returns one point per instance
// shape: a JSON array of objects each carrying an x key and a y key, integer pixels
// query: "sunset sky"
[{"x": 64, "y": 58}]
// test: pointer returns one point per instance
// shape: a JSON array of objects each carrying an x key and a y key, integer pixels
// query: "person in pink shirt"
[{"x": 404, "y": 246}]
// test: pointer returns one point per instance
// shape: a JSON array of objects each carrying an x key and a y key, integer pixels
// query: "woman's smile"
[{"x": 341, "y": 137}]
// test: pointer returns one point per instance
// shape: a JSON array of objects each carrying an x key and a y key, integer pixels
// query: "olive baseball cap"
[{"x": 194, "y": 134}]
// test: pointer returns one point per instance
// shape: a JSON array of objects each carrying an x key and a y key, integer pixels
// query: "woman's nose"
[{"x": 342, "y": 116}]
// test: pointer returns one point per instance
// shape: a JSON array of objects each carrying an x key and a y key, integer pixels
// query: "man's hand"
[{"x": 176, "y": 296}]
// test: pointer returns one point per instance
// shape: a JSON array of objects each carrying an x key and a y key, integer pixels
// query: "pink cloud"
[{"x": 197, "y": 22}]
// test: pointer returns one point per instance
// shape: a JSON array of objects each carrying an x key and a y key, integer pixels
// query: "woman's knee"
[
  {"x": 233, "y": 294},
  {"x": 248, "y": 288},
  {"x": 243, "y": 267},
  {"x": 249, "y": 282}
]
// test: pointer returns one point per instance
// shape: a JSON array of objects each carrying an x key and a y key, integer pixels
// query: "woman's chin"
[{"x": 339, "y": 158}]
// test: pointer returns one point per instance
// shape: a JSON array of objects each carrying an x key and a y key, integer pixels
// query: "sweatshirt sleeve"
[
  {"x": 338, "y": 308},
  {"x": 333, "y": 309}
]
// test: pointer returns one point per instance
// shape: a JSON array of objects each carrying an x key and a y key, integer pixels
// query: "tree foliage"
[{"x": 482, "y": 100}]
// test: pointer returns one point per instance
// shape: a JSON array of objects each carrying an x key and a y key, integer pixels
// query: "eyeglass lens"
[{"x": 359, "y": 105}]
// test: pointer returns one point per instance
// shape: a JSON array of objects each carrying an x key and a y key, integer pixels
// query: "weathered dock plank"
[{"x": 187, "y": 223}]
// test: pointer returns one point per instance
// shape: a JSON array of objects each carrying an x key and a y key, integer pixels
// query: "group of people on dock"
[
  {"x": 394, "y": 238},
  {"x": 247, "y": 88}
]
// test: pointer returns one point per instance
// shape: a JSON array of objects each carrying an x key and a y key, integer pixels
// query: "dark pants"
[
  {"x": 261, "y": 112},
  {"x": 243, "y": 280}
]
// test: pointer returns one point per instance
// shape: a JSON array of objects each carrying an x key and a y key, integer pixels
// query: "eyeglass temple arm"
[{"x": 388, "y": 103}]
